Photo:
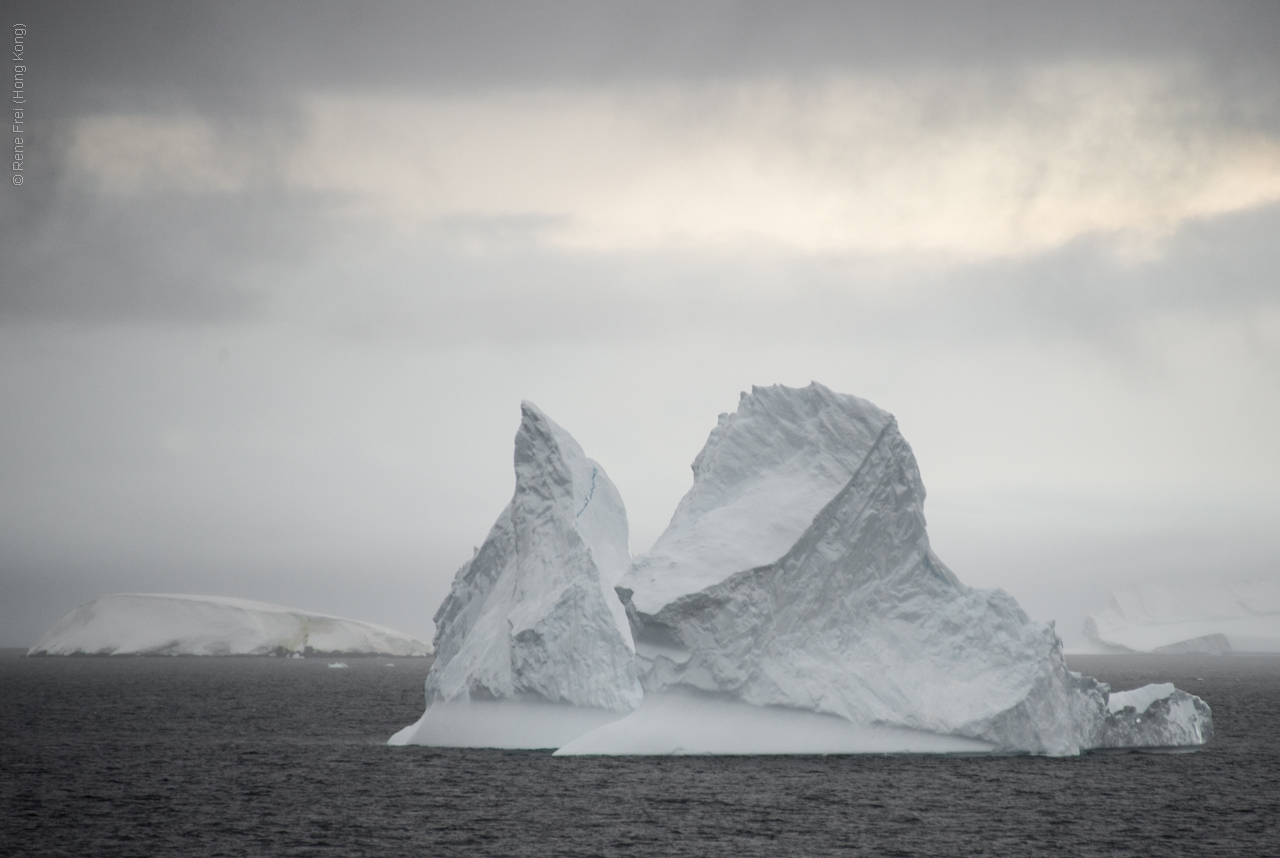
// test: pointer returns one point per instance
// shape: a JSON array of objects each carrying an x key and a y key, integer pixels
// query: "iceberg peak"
[
  {"x": 765, "y": 472},
  {"x": 532, "y": 622}
]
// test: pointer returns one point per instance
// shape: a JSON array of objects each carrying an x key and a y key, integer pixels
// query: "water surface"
[{"x": 242, "y": 756}]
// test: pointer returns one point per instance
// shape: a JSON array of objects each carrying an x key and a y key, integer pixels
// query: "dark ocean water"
[{"x": 193, "y": 757}]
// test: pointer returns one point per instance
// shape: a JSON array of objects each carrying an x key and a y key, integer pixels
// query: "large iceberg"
[
  {"x": 533, "y": 647},
  {"x": 795, "y": 590},
  {"x": 168, "y": 624},
  {"x": 1239, "y": 616}
]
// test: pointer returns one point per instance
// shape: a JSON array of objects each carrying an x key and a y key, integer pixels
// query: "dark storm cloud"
[
  {"x": 73, "y": 254},
  {"x": 232, "y": 53}
]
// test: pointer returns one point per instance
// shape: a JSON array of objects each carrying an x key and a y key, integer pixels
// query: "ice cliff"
[
  {"x": 165, "y": 624},
  {"x": 796, "y": 581},
  {"x": 1241, "y": 616},
  {"x": 532, "y": 644}
]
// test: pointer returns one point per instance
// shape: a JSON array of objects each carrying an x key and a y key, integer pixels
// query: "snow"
[
  {"x": 1240, "y": 616},
  {"x": 1140, "y": 698},
  {"x": 763, "y": 475},
  {"x": 172, "y": 624},
  {"x": 533, "y": 640},
  {"x": 1155, "y": 716}
]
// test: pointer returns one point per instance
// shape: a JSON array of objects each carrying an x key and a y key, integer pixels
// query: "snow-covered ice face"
[
  {"x": 762, "y": 476},
  {"x": 533, "y": 617}
]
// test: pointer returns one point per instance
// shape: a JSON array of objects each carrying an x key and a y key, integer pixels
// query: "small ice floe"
[
  {"x": 297, "y": 655},
  {"x": 337, "y": 664},
  {"x": 390, "y": 665}
]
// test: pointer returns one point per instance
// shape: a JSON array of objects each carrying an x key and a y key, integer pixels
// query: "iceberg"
[
  {"x": 795, "y": 585},
  {"x": 170, "y": 624},
  {"x": 533, "y": 646},
  {"x": 1237, "y": 616}
]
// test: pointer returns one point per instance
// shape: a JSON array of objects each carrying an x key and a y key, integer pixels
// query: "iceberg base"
[
  {"x": 510, "y": 724},
  {"x": 678, "y": 721}
]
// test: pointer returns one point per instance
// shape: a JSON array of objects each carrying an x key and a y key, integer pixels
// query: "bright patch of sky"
[{"x": 962, "y": 166}]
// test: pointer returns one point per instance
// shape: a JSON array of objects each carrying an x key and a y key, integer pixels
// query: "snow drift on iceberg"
[
  {"x": 532, "y": 644},
  {"x": 167, "y": 624},
  {"x": 796, "y": 574},
  {"x": 1238, "y": 616}
]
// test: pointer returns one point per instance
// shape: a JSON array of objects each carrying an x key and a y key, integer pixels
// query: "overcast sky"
[{"x": 280, "y": 274}]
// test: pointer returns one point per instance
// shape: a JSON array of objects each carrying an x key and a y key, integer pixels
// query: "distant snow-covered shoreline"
[{"x": 166, "y": 624}]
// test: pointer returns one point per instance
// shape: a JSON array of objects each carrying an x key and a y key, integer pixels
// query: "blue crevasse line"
[{"x": 591, "y": 491}]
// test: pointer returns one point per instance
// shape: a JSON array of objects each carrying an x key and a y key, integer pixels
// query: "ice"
[
  {"x": 338, "y": 664},
  {"x": 1140, "y": 698},
  {"x": 796, "y": 575},
  {"x": 763, "y": 475},
  {"x": 527, "y": 722},
  {"x": 171, "y": 624},
  {"x": 1155, "y": 716},
  {"x": 793, "y": 605},
  {"x": 1215, "y": 618},
  {"x": 685, "y": 721},
  {"x": 532, "y": 643}
]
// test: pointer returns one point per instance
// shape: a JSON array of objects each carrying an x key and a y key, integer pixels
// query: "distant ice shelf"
[
  {"x": 1209, "y": 618},
  {"x": 172, "y": 624}
]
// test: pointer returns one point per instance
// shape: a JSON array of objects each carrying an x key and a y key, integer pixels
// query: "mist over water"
[{"x": 185, "y": 756}]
